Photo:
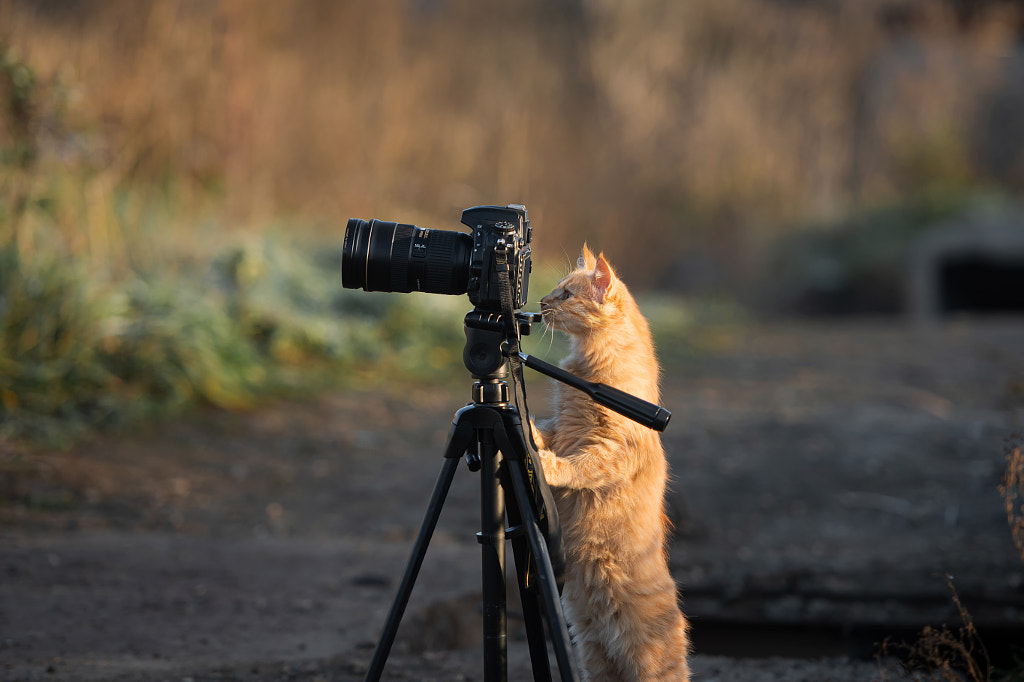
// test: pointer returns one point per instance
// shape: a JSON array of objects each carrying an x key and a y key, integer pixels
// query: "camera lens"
[{"x": 383, "y": 256}]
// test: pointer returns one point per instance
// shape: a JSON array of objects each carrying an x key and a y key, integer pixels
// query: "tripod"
[{"x": 489, "y": 432}]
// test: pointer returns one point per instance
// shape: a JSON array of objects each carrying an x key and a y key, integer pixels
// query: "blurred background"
[
  {"x": 790, "y": 187},
  {"x": 777, "y": 156}
]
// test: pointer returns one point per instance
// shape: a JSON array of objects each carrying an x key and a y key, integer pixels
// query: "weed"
[
  {"x": 943, "y": 653},
  {"x": 1012, "y": 490}
]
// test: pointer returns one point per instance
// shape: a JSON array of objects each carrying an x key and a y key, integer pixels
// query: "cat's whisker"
[
  {"x": 567, "y": 265},
  {"x": 550, "y": 333}
]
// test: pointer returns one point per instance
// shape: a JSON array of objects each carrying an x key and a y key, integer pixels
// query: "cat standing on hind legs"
[{"x": 608, "y": 475}]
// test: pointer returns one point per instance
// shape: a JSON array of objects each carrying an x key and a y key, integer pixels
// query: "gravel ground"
[{"x": 826, "y": 478}]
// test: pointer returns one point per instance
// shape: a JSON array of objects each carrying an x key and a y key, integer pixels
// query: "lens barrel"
[{"x": 384, "y": 256}]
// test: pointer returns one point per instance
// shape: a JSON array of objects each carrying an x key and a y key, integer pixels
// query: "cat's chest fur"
[
  {"x": 590, "y": 514},
  {"x": 577, "y": 416}
]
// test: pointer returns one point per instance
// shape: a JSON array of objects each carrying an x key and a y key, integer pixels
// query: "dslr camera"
[{"x": 384, "y": 256}]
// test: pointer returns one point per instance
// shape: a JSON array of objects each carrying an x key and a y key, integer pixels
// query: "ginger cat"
[{"x": 608, "y": 475}]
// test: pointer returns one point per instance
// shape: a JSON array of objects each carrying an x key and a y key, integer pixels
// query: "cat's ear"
[
  {"x": 603, "y": 278},
  {"x": 586, "y": 260}
]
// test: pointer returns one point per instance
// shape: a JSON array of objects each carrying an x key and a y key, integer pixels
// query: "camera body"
[
  {"x": 499, "y": 233},
  {"x": 385, "y": 256}
]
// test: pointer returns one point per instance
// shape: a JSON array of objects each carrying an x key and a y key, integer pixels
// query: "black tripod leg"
[
  {"x": 548, "y": 586},
  {"x": 492, "y": 541},
  {"x": 387, "y": 638},
  {"x": 532, "y": 615}
]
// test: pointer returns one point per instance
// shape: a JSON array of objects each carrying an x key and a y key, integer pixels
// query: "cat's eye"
[{"x": 564, "y": 295}]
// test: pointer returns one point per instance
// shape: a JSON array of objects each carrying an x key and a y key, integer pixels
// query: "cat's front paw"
[
  {"x": 538, "y": 438},
  {"x": 550, "y": 464}
]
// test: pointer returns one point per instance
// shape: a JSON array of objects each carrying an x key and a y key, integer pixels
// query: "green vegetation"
[{"x": 79, "y": 351}]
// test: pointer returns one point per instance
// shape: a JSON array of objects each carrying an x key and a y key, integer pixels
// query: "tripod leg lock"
[
  {"x": 485, "y": 539},
  {"x": 514, "y": 532}
]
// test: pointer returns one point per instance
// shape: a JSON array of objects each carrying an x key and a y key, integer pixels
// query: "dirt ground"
[{"x": 826, "y": 478}]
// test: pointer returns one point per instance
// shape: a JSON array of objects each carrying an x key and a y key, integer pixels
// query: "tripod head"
[
  {"x": 491, "y": 341},
  {"x": 486, "y": 332}
]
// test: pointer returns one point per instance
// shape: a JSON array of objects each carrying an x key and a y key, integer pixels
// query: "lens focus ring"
[
  {"x": 401, "y": 256},
  {"x": 384, "y": 256}
]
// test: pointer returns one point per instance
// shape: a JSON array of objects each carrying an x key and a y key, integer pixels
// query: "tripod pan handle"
[
  {"x": 650, "y": 415},
  {"x": 642, "y": 412}
]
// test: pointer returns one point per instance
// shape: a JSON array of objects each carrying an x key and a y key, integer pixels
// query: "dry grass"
[
  {"x": 1012, "y": 490},
  {"x": 654, "y": 124},
  {"x": 950, "y": 655}
]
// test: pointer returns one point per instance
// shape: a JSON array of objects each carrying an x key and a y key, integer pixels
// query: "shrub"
[{"x": 79, "y": 351}]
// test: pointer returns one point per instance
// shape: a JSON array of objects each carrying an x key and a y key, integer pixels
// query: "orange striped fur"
[{"x": 609, "y": 475}]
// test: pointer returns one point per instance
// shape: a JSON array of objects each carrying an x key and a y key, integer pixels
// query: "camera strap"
[
  {"x": 508, "y": 317},
  {"x": 547, "y": 512}
]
